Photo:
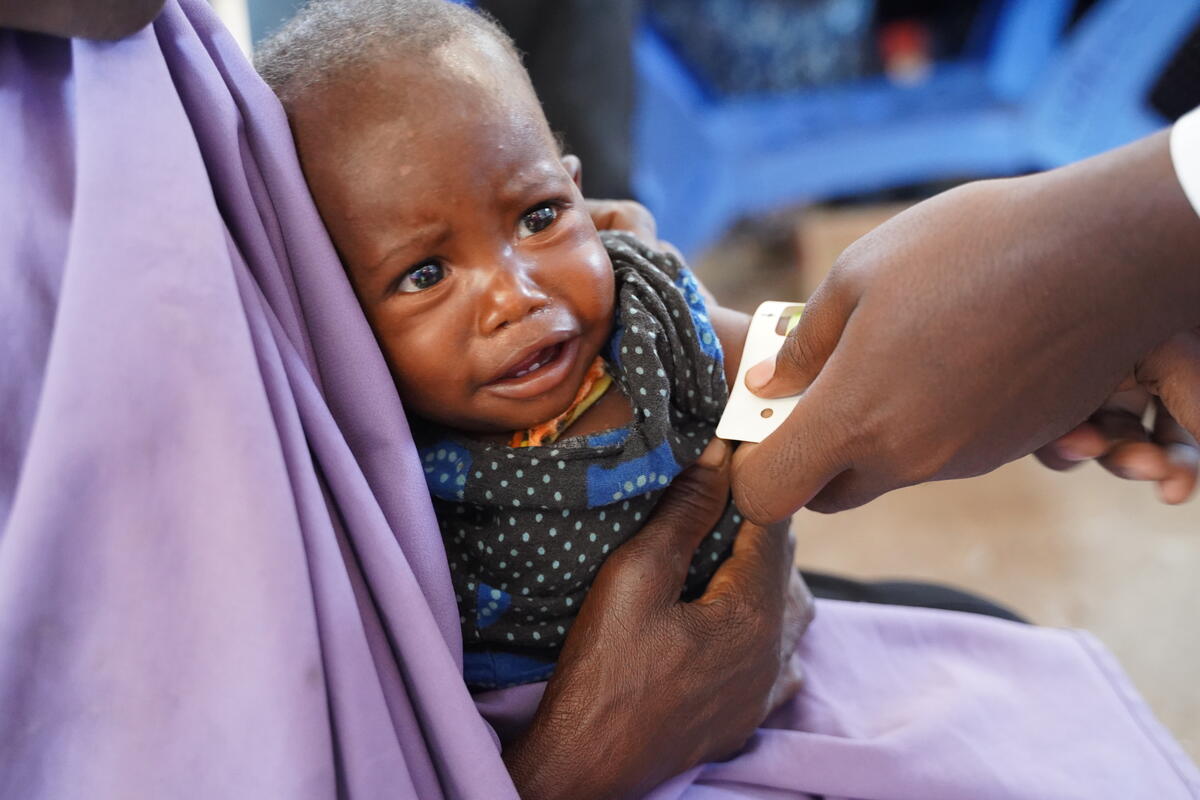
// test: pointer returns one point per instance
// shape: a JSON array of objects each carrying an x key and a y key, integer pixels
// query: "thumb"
[
  {"x": 806, "y": 348},
  {"x": 757, "y": 569},
  {"x": 1172, "y": 372},
  {"x": 775, "y": 478}
]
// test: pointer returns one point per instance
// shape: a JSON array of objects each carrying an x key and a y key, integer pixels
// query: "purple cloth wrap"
[{"x": 220, "y": 575}]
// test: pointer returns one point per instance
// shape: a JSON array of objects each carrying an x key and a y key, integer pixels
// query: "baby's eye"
[
  {"x": 537, "y": 219},
  {"x": 421, "y": 277}
]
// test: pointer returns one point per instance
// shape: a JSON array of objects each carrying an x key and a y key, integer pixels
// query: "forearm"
[
  {"x": 1135, "y": 236},
  {"x": 731, "y": 328},
  {"x": 550, "y": 760},
  {"x": 539, "y": 771},
  {"x": 599, "y": 735}
]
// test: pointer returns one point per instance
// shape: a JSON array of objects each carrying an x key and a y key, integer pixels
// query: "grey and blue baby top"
[{"x": 527, "y": 528}]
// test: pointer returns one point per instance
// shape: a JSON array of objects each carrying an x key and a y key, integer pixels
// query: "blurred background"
[{"x": 767, "y": 135}]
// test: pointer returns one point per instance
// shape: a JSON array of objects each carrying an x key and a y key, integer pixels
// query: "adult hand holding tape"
[{"x": 979, "y": 326}]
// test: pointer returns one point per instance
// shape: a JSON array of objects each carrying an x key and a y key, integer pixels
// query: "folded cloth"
[
  {"x": 921, "y": 704},
  {"x": 220, "y": 575}
]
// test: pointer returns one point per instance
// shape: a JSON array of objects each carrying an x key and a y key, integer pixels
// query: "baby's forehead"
[
  {"x": 395, "y": 100},
  {"x": 469, "y": 62},
  {"x": 471, "y": 76},
  {"x": 478, "y": 58},
  {"x": 410, "y": 135}
]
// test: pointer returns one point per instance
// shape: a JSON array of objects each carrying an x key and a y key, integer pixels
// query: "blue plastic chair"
[{"x": 1023, "y": 99}]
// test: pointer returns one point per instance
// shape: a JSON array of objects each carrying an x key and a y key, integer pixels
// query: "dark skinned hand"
[
  {"x": 624, "y": 215},
  {"x": 1134, "y": 435},
  {"x": 632, "y": 216},
  {"x": 975, "y": 328},
  {"x": 648, "y": 686}
]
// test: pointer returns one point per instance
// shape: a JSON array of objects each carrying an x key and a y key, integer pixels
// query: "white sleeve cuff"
[{"x": 1185, "y": 153}]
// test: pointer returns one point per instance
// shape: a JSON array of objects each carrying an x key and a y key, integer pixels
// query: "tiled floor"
[{"x": 1080, "y": 549}]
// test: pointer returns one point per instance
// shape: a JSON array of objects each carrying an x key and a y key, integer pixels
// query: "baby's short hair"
[{"x": 329, "y": 37}]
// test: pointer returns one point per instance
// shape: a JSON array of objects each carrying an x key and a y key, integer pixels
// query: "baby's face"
[{"x": 463, "y": 232}]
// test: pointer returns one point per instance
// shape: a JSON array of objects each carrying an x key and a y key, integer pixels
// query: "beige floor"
[{"x": 1080, "y": 549}]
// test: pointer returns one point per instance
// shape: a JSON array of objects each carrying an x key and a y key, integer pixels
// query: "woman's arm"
[
  {"x": 648, "y": 686},
  {"x": 731, "y": 327}
]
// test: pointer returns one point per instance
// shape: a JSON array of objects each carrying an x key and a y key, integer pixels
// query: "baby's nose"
[{"x": 512, "y": 295}]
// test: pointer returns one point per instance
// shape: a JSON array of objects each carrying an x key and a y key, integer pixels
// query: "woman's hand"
[
  {"x": 973, "y": 329},
  {"x": 624, "y": 215},
  {"x": 1117, "y": 437},
  {"x": 648, "y": 686}
]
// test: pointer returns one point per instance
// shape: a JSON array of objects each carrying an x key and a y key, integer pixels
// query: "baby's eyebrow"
[
  {"x": 544, "y": 174},
  {"x": 424, "y": 237}
]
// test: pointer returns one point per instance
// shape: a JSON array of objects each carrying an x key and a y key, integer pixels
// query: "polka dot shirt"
[{"x": 527, "y": 529}]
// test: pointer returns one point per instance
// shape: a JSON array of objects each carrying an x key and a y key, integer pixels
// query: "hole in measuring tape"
[{"x": 766, "y": 413}]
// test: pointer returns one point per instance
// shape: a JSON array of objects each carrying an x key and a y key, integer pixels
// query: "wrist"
[
  {"x": 551, "y": 760},
  {"x": 1124, "y": 220},
  {"x": 533, "y": 774}
]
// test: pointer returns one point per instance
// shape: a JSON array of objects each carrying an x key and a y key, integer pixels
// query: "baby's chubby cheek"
[
  {"x": 591, "y": 285},
  {"x": 430, "y": 371}
]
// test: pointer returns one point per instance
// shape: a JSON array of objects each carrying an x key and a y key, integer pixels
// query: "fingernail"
[
  {"x": 760, "y": 374},
  {"x": 714, "y": 454},
  {"x": 1183, "y": 455}
]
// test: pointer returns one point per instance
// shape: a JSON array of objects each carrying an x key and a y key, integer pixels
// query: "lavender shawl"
[{"x": 220, "y": 575}]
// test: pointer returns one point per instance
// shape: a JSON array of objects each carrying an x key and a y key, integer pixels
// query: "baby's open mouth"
[
  {"x": 535, "y": 362},
  {"x": 532, "y": 374}
]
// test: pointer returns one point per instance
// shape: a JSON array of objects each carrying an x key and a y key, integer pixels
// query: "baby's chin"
[{"x": 501, "y": 425}]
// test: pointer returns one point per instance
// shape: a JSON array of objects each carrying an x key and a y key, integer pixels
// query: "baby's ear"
[{"x": 574, "y": 169}]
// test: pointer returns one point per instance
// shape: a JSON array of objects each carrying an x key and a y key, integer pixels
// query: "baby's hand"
[
  {"x": 635, "y": 218},
  {"x": 1124, "y": 443},
  {"x": 624, "y": 215}
]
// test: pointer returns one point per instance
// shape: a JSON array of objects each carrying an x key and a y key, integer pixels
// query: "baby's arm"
[{"x": 731, "y": 328}]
